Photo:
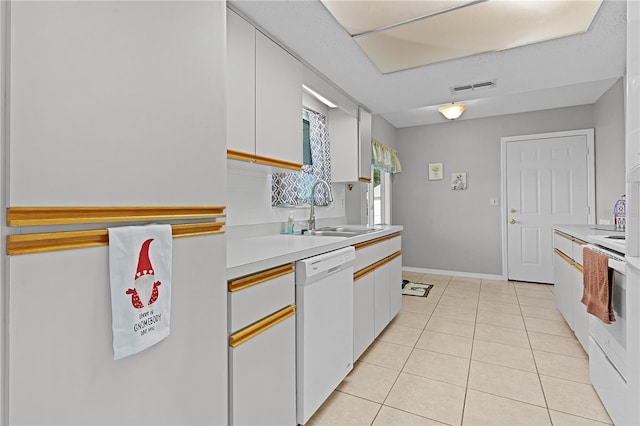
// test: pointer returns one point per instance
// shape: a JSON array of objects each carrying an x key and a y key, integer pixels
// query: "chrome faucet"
[{"x": 312, "y": 213}]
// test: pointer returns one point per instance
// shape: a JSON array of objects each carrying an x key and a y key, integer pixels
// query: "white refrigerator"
[{"x": 111, "y": 105}]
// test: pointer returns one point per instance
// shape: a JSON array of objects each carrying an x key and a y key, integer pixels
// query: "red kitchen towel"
[
  {"x": 598, "y": 282},
  {"x": 140, "y": 276}
]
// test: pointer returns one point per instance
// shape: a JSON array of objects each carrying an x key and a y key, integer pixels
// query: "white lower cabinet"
[
  {"x": 568, "y": 285},
  {"x": 263, "y": 377},
  {"x": 377, "y": 292},
  {"x": 395, "y": 286},
  {"x": 262, "y": 348},
  {"x": 363, "y": 319},
  {"x": 381, "y": 315}
]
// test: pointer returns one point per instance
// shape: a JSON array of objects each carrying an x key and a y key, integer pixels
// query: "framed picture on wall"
[
  {"x": 435, "y": 171},
  {"x": 458, "y": 181}
]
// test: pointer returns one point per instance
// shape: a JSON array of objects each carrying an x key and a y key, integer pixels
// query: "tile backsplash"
[{"x": 249, "y": 198}]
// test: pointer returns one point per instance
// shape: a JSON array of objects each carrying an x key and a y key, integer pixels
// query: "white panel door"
[{"x": 547, "y": 182}]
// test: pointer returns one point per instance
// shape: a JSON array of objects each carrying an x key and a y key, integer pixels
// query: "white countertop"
[
  {"x": 250, "y": 255},
  {"x": 587, "y": 232}
]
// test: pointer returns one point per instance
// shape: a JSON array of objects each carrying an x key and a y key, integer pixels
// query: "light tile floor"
[{"x": 474, "y": 352}]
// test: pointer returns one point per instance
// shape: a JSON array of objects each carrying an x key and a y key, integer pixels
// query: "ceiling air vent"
[{"x": 473, "y": 86}]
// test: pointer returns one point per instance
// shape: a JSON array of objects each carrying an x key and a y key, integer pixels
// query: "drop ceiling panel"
[
  {"x": 359, "y": 17},
  {"x": 479, "y": 28}
]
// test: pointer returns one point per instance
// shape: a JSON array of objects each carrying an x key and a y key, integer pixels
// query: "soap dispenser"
[
  {"x": 290, "y": 223},
  {"x": 619, "y": 214}
]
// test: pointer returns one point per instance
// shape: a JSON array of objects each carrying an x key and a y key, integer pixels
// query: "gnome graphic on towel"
[{"x": 145, "y": 291}]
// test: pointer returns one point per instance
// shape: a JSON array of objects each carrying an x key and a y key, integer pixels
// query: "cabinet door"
[
  {"x": 562, "y": 286},
  {"x": 343, "y": 132},
  {"x": 363, "y": 317},
  {"x": 263, "y": 377},
  {"x": 364, "y": 129},
  {"x": 108, "y": 107},
  {"x": 579, "y": 311},
  {"x": 395, "y": 286},
  {"x": 60, "y": 342},
  {"x": 241, "y": 93},
  {"x": 381, "y": 313},
  {"x": 278, "y": 102}
]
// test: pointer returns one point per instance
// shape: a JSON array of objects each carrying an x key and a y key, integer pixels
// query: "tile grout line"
[
  {"x": 403, "y": 366},
  {"x": 535, "y": 363}
]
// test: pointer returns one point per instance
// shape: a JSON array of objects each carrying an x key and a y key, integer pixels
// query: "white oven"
[{"x": 608, "y": 344}]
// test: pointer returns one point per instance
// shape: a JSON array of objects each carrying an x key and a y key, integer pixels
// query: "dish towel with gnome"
[
  {"x": 140, "y": 275},
  {"x": 598, "y": 283}
]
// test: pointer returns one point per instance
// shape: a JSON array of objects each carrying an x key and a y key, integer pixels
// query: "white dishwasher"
[{"x": 324, "y": 327}]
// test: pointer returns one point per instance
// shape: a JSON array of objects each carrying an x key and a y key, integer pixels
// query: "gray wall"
[
  {"x": 458, "y": 230},
  {"x": 608, "y": 117}
]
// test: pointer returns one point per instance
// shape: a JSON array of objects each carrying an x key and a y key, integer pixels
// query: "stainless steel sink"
[
  {"x": 331, "y": 233},
  {"x": 341, "y": 231}
]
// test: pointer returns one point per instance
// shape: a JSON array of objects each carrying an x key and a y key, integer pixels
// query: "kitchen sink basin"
[{"x": 341, "y": 231}]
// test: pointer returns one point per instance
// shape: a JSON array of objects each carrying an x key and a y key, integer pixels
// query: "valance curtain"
[
  {"x": 294, "y": 188},
  {"x": 384, "y": 157}
]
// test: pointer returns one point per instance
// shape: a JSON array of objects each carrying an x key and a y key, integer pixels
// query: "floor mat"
[{"x": 415, "y": 289}]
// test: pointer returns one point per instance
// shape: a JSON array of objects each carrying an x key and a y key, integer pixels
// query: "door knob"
[
  {"x": 512, "y": 221},
  {"x": 512, "y": 210}
]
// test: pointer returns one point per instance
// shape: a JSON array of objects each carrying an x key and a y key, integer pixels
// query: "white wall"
[
  {"x": 608, "y": 117},
  {"x": 457, "y": 230}
]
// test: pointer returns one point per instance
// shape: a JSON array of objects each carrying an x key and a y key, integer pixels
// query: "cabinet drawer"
[
  {"x": 365, "y": 256},
  {"x": 563, "y": 242},
  {"x": 395, "y": 244},
  {"x": 577, "y": 251},
  {"x": 254, "y": 297}
]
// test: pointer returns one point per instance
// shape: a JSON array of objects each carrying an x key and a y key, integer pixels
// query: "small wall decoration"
[
  {"x": 458, "y": 181},
  {"x": 435, "y": 171}
]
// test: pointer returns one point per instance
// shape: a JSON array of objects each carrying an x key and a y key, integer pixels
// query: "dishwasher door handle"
[{"x": 334, "y": 269}]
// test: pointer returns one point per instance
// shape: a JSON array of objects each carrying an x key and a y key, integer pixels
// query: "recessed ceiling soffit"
[{"x": 399, "y": 35}]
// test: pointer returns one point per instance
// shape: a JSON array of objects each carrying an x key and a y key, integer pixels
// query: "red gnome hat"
[{"x": 144, "y": 263}]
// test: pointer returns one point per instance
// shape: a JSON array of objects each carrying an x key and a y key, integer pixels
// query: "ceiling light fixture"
[
  {"x": 319, "y": 97},
  {"x": 452, "y": 111}
]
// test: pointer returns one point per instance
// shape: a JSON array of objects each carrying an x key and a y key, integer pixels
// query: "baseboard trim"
[{"x": 454, "y": 273}]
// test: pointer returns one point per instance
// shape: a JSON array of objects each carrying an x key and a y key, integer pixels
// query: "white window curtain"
[
  {"x": 384, "y": 157},
  {"x": 294, "y": 188}
]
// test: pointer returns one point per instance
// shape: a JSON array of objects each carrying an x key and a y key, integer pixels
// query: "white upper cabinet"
[
  {"x": 350, "y": 146},
  {"x": 364, "y": 131},
  {"x": 108, "y": 107},
  {"x": 264, "y": 98},
  {"x": 343, "y": 134},
  {"x": 241, "y": 92}
]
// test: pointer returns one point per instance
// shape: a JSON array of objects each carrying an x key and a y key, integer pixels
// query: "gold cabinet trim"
[
  {"x": 563, "y": 235},
  {"x": 242, "y": 156},
  {"x": 376, "y": 241},
  {"x": 38, "y": 216},
  {"x": 564, "y": 256},
  {"x": 261, "y": 326},
  {"x": 364, "y": 179},
  {"x": 268, "y": 161},
  {"x": 278, "y": 163},
  {"x": 260, "y": 277},
  {"x": 364, "y": 271},
  {"x": 54, "y": 241}
]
